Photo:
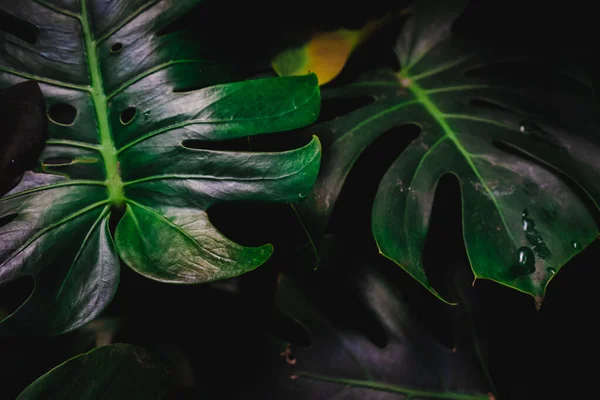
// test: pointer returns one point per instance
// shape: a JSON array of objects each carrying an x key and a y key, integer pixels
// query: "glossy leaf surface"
[
  {"x": 529, "y": 181},
  {"x": 118, "y": 371},
  {"x": 343, "y": 363},
  {"x": 124, "y": 101}
]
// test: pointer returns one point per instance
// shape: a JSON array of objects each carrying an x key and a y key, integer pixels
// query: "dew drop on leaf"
[
  {"x": 552, "y": 271},
  {"x": 528, "y": 127},
  {"x": 575, "y": 244},
  {"x": 526, "y": 259}
]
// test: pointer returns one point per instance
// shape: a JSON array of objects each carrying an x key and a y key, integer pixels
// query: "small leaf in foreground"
[{"x": 118, "y": 371}]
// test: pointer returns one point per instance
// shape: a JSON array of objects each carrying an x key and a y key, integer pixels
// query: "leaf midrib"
[
  {"x": 422, "y": 96},
  {"x": 386, "y": 387},
  {"x": 107, "y": 146}
]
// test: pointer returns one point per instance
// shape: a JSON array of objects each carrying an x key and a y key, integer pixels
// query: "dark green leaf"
[
  {"x": 529, "y": 187},
  {"x": 342, "y": 363},
  {"x": 118, "y": 371},
  {"x": 124, "y": 99}
]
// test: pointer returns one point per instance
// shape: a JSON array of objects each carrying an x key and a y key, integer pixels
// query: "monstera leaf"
[
  {"x": 132, "y": 116},
  {"x": 530, "y": 185},
  {"x": 342, "y": 363},
  {"x": 118, "y": 371}
]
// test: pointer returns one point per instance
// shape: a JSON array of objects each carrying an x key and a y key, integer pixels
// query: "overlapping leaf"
[
  {"x": 341, "y": 363},
  {"x": 125, "y": 96},
  {"x": 529, "y": 187}
]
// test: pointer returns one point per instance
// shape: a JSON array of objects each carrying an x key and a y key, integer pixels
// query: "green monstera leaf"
[
  {"x": 529, "y": 182},
  {"x": 132, "y": 112},
  {"x": 118, "y": 371},
  {"x": 341, "y": 362}
]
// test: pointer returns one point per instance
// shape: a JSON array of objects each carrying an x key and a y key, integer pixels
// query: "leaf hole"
[
  {"x": 190, "y": 88},
  {"x": 237, "y": 144},
  {"x": 116, "y": 47},
  {"x": 488, "y": 104},
  {"x": 445, "y": 231},
  {"x": 351, "y": 217},
  {"x": 127, "y": 115},
  {"x": 58, "y": 161},
  {"x": 332, "y": 108},
  {"x": 14, "y": 293},
  {"x": 18, "y": 28},
  {"x": 62, "y": 114},
  {"x": 443, "y": 254},
  {"x": 7, "y": 219}
]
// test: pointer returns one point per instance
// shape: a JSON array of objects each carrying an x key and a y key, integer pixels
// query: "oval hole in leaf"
[
  {"x": 127, "y": 115},
  {"x": 290, "y": 330},
  {"x": 58, "y": 161},
  {"x": 352, "y": 214},
  {"x": 589, "y": 203},
  {"x": 116, "y": 47},
  {"x": 484, "y": 103},
  {"x": 62, "y": 114},
  {"x": 14, "y": 293},
  {"x": 336, "y": 107},
  {"x": 190, "y": 88},
  {"x": 7, "y": 219},
  {"x": 18, "y": 28}
]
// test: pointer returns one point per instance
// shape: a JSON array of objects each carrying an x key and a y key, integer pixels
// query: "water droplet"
[
  {"x": 301, "y": 195},
  {"x": 552, "y": 271},
  {"x": 526, "y": 259},
  {"x": 575, "y": 244},
  {"x": 146, "y": 114},
  {"x": 525, "y": 223},
  {"x": 528, "y": 127},
  {"x": 525, "y": 212}
]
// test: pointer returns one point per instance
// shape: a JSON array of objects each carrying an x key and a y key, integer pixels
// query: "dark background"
[{"x": 532, "y": 354}]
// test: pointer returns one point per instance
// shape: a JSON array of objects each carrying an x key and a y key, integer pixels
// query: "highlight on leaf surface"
[
  {"x": 529, "y": 180},
  {"x": 123, "y": 98},
  {"x": 326, "y": 53}
]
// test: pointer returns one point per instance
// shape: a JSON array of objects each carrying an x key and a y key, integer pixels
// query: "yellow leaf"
[{"x": 326, "y": 53}]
